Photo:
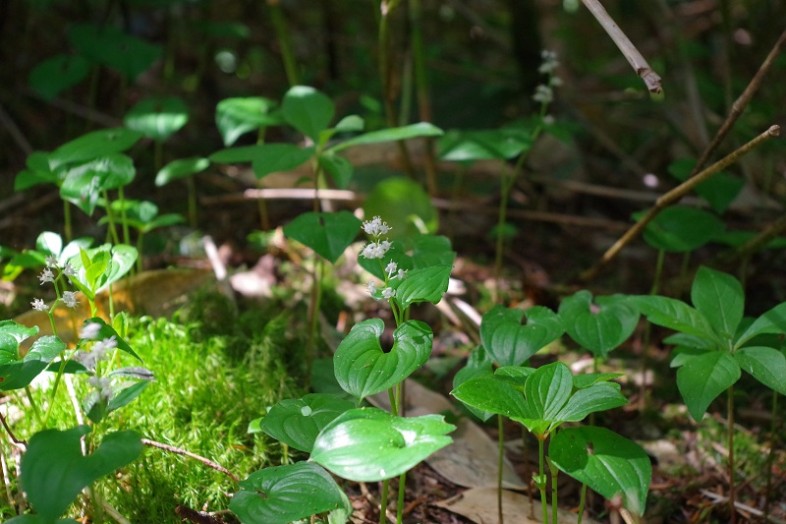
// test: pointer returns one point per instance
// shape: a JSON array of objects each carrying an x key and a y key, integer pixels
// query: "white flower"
[
  {"x": 103, "y": 386},
  {"x": 391, "y": 268},
  {"x": 90, "y": 331},
  {"x": 550, "y": 62},
  {"x": 51, "y": 261},
  {"x": 376, "y": 227},
  {"x": 401, "y": 274},
  {"x": 105, "y": 345},
  {"x": 388, "y": 293},
  {"x": 68, "y": 270},
  {"x": 543, "y": 94},
  {"x": 69, "y": 299},
  {"x": 38, "y": 304},
  {"x": 372, "y": 287},
  {"x": 46, "y": 276},
  {"x": 376, "y": 249}
]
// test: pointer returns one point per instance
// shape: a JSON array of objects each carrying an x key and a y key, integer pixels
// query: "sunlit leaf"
[{"x": 157, "y": 118}]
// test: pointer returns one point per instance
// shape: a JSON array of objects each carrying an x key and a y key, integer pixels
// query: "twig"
[
  {"x": 11, "y": 433},
  {"x": 673, "y": 196},
  {"x": 116, "y": 516},
  {"x": 741, "y": 103},
  {"x": 720, "y": 499},
  {"x": 632, "y": 55},
  {"x": 180, "y": 451}
]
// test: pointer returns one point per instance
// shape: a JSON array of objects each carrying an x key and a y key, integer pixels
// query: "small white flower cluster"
[
  {"x": 100, "y": 349},
  {"x": 103, "y": 386},
  {"x": 544, "y": 93},
  {"x": 48, "y": 275},
  {"x": 376, "y": 249}
]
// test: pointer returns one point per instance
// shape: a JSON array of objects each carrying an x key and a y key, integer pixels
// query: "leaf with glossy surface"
[
  {"x": 600, "y": 396},
  {"x": 54, "y": 471},
  {"x": 493, "y": 395},
  {"x": 297, "y": 422},
  {"x": 16, "y": 372},
  {"x": 158, "y": 117},
  {"x": 606, "y": 462},
  {"x": 362, "y": 368},
  {"x": 368, "y": 444},
  {"x": 677, "y": 315},
  {"x": 238, "y": 116},
  {"x": 423, "y": 285},
  {"x": 600, "y": 325},
  {"x": 547, "y": 390},
  {"x": 772, "y": 322},
  {"x": 421, "y": 129},
  {"x": 702, "y": 378},
  {"x": 720, "y": 298},
  {"x": 511, "y": 343},
  {"x": 479, "y": 364},
  {"x": 765, "y": 364},
  {"x": 307, "y": 110},
  {"x": 284, "y": 494},
  {"x": 329, "y": 234}
]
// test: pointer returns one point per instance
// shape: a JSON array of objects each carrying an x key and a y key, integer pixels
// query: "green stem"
[
  {"x": 554, "y": 489},
  {"x": 33, "y": 406},
  {"x": 582, "y": 503},
  {"x": 110, "y": 216},
  {"x": 383, "y": 501},
  {"x": 284, "y": 41},
  {"x": 500, "y": 463},
  {"x": 732, "y": 487},
  {"x": 402, "y": 485},
  {"x": 645, "y": 350},
  {"x": 542, "y": 478},
  {"x": 316, "y": 301}
]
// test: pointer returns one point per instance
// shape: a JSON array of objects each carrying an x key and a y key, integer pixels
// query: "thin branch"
[
  {"x": 673, "y": 196},
  {"x": 632, "y": 55},
  {"x": 180, "y": 451},
  {"x": 11, "y": 433},
  {"x": 742, "y": 102}
]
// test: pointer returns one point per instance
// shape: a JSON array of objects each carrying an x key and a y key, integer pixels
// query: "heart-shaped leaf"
[
  {"x": 720, "y": 298},
  {"x": 702, "y": 378},
  {"x": 329, "y": 234},
  {"x": 16, "y": 372},
  {"x": 297, "y": 422},
  {"x": 362, "y": 368},
  {"x": 284, "y": 494},
  {"x": 511, "y": 343},
  {"x": 99, "y": 267},
  {"x": 54, "y": 471},
  {"x": 307, "y": 110},
  {"x": 368, "y": 444},
  {"x": 237, "y": 116},
  {"x": 423, "y": 285},
  {"x": 606, "y": 462},
  {"x": 421, "y": 129},
  {"x": 158, "y": 117},
  {"x": 57, "y": 73},
  {"x": 765, "y": 364},
  {"x": 600, "y": 325},
  {"x": 92, "y": 145}
]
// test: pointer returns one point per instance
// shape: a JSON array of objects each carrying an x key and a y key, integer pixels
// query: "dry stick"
[
  {"x": 632, "y": 55},
  {"x": 673, "y": 196},
  {"x": 741, "y": 103},
  {"x": 180, "y": 451},
  {"x": 11, "y": 433}
]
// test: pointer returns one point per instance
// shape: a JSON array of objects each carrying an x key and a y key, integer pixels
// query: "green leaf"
[
  {"x": 284, "y": 494},
  {"x": 307, "y": 110},
  {"x": 677, "y": 315},
  {"x": 771, "y": 322},
  {"x": 106, "y": 331},
  {"x": 339, "y": 168},
  {"x": 158, "y": 117},
  {"x": 421, "y": 129},
  {"x": 362, "y": 368},
  {"x": 765, "y": 364},
  {"x": 601, "y": 396},
  {"x": 49, "y": 242},
  {"x": 37, "y": 519},
  {"x": 127, "y": 395},
  {"x": 368, "y": 444},
  {"x": 329, "y": 234},
  {"x": 547, "y": 391},
  {"x": 719, "y": 191},
  {"x": 404, "y": 205},
  {"x": 467, "y": 146},
  {"x": 702, "y": 378},
  {"x": 16, "y": 372},
  {"x": 423, "y": 285},
  {"x": 112, "y": 48},
  {"x": 238, "y": 116},
  {"x": 99, "y": 267},
  {"x": 492, "y": 394},
  {"x": 608, "y": 463},
  {"x": 265, "y": 158},
  {"x": 479, "y": 364},
  {"x": 418, "y": 252},
  {"x": 349, "y": 124},
  {"x": 54, "y": 471},
  {"x": 297, "y": 422},
  {"x": 57, "y": 73},
  {"x": 93, "y": 145},
  {"x": 600, "y": 325},
  {"x": 680, "y": 229},
  {"x": 509, "y": 342},
  {"x": 720, "y": 298}
]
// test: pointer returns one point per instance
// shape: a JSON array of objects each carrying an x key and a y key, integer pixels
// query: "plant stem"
[
  {"x": 500, "y": 462},
  {"x": 284, "y": 42},
  {"x": 383, "y": 501},
  {"x": 645, "y": 350},
  {"x": 554, "y": 489},
  {"x": 402, "y": 486},
  {"x": 730, "y": 416},
  {"x": 508, "y": 181},
  {"x": 542, "y": 478},
  {"x": 313, "y": 315},
  {"x": 582, "y": 503},
  {"x": 110, "y": 216}
]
